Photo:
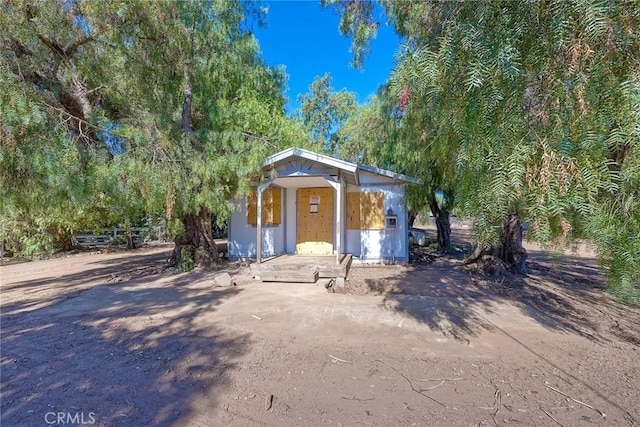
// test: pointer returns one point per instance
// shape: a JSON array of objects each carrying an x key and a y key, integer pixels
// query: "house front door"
[{"x": 315, "y": 214}]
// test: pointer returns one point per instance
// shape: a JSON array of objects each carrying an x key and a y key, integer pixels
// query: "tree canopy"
[
  {"x": 527, "y": 109},
  {"x": 323, "y": 112},
  {"x": 115, "y": 109}
]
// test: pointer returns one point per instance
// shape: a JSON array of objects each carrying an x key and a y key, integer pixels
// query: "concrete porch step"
[
  {"x": 290, "y": 268},
  {"x": 293, "y": 276}
]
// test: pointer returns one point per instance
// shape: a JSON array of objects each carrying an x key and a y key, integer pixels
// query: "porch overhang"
[
  {"x": 298, "y": 162},
  {"x": 300, "y": 181}
]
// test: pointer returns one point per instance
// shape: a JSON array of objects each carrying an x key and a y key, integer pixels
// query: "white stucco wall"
[
  {"x": 366, "y": 245},
  {"x": 243, "y": 236},
  {"x": 387, "y": 244}
]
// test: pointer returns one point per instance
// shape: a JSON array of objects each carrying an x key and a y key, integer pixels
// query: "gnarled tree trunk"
[
  {"x": 412, "y": 218},
  {"x": 196, "y": 248},
  {"x": 511, "y": 250},
  {"x": 443, "y": 225},
  {"x": 510, "y": 255}
]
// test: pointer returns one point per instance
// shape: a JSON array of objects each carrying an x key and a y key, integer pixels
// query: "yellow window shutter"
[
  {"x": 252, "y": 208},
  {"x": 372, "y": 211},
  {"x": 365, "y": 211},
  {"x": 271, "y": 207},
  {"x": 276, "y": 206}
]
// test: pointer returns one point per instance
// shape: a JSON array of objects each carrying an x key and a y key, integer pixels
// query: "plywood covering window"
[
  {"x": 365, "y": 211},
  {"x": 271, "y": 207}
]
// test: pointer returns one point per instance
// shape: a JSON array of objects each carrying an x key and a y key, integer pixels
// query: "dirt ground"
[{"x": 116, "y": 340}]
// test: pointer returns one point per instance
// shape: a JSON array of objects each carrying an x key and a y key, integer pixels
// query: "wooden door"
[{"x": 314, "y": 230}]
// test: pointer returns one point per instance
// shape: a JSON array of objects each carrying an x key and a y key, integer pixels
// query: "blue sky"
[{"x": 304, "y": 37}]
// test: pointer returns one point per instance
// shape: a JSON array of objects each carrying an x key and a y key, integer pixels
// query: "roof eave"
[
  {"x": 344, "y": 165},
  {"x": 390, "y": 174}
]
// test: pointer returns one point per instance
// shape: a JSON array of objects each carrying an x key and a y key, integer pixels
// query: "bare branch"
[
  {"x": 417, "y": 390},
  {"x": 53, "y": 46},
  {"x": 575, "y": 400},
  {"x": 86, "y": 123},
  {"x": 70, "y": 50}
]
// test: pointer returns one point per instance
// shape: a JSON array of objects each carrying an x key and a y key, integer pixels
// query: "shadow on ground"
[
  {"x": 444, "y": 299},
  {"x": 562, "y": 293},
  {"x": 134, "y": 352},
  {"x": 67, "y": 285},
  {"x": 569, "y": 292}
]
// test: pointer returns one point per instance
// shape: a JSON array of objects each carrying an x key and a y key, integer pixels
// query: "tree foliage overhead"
[
  {"x": 114, "y": 109},
  {"x": 366, "y": 129},
  {"x": 323, "y": 111},
  {"x": 534, "y": 107}
]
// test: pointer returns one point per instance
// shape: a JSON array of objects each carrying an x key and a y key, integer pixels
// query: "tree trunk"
[
  {"x": 195, "y": 248},
  {"x": 185, "y": 122},
  {"x": 130, "y": 243},
  {"x": 443, "y": 225},
  {"x": 412, "y": 218},
  {"x": 511, "y": 250},
  {"x": 510, "y": 255}
]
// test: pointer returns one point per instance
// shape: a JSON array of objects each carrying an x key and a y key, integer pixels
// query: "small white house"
[{"x": 314, "y": 204}]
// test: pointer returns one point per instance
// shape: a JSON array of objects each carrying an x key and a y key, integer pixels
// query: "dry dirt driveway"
[{"x": 109, "y": 340}]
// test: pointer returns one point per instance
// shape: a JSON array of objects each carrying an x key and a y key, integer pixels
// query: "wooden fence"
[{"x": 109, "y": 237}]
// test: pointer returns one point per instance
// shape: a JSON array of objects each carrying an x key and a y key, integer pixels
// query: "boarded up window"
[
  {"x": 271, "y": 207},
  {"x": 365, "y": 211}
]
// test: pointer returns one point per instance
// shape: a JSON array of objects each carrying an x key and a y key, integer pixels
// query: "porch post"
[
  {"x": 338, "y": 218},
  {"x": 337, "y": 185},
  {"x": 259, "y": 225},
  {"x": 259, "y": 191}
]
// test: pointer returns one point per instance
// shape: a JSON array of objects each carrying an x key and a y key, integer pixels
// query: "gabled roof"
[{"x": 350, "y": 169}]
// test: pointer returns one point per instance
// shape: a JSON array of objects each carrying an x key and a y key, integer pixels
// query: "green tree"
[
  {"x": 541, "y": 101},
  {"x": 119, "y": 108},
  {"x": 364, "y": 129},
  {"x": 384, "y": 132},
  {"x": 323, "y": 111},
  {"x": 425, "y": 150}
]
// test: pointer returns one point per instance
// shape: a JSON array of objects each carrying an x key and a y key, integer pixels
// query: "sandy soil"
[{"x": 119, "y": 340}]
